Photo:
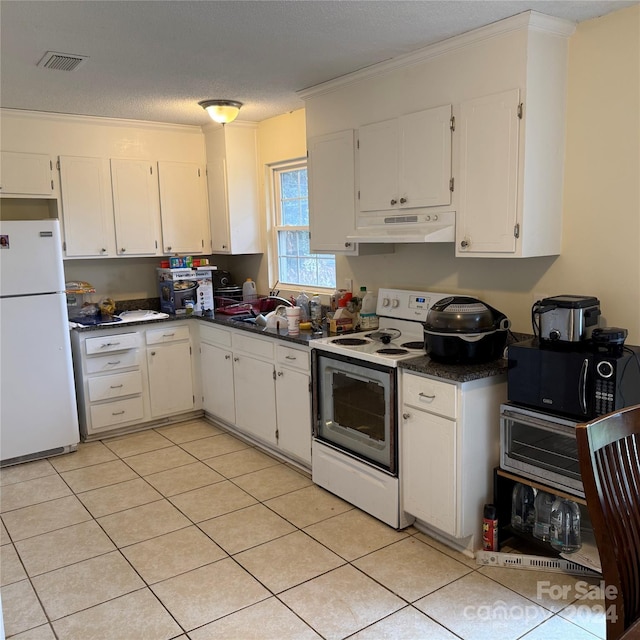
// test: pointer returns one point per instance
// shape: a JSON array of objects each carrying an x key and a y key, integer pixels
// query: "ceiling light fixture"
[{"x": 221, "y": 111}]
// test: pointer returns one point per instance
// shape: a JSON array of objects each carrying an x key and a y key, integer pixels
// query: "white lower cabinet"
[
  {"x": 169, "y": 366},
  {"x": 449, "y": 438},
  {"x": 126, "y": 379},
  {"x": 259, "y": 387}
]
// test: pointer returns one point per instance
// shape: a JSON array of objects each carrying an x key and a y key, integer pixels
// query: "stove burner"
[
  {"x": 417, "y": 344},
  {"x": 350, "y": 342},
  {"x": 392, "y": 352}
]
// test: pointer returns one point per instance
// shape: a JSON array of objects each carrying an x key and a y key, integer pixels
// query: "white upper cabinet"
[
  {"x": 405, "y": 163},
  {"x": 498, "y": 164},
  {"x": 26, "y": 174},
  {"x": 332, "y": 210},
  {"x": 232, "y": 179},
  {"x": 183, "y": 207},
  {"x": 488, "y": 173},
  {"x": 136, "y": 207},
  {"x": 86, "y": 207}
]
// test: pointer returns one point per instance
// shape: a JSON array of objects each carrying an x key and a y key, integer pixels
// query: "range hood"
[{"x": 412, "y": 228}]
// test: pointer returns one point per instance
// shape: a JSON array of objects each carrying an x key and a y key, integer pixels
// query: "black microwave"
[{"x": 579, "y": 383}]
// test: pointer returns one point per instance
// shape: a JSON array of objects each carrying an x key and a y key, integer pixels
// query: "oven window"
[
  {"x": 551, "y": 450},
  {"x": 359, "y": 405}
]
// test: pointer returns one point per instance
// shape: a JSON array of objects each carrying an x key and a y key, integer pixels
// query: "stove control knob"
[
  {"x": 385, "y": 302},
  {"x": 395, "y": 303}
]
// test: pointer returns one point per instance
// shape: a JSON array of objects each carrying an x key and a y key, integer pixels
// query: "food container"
[{"x": 463, "y": 330}]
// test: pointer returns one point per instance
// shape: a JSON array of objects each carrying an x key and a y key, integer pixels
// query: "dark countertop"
[{"x": 420, "y": 364}]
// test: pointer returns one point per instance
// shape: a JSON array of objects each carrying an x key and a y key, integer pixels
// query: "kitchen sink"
[{"x": 244, "y": 319}]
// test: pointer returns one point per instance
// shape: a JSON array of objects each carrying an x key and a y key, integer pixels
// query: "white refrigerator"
[{"x": 38, "y": 415}]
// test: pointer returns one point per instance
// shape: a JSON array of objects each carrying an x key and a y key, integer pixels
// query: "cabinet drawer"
[
  {"x": 113, "y": 362},
  {"x": 113, "y": 342},
  {"x": 167, "y": 334},
  {"x": 115, "y": 413},
  {"x": 291, "y": 357},
  {"x": 253, "y": 346},
  {"x": 115, "y": 386},
  {"x": 213, "y": 335},
  {"x": 429, "y": 395}
]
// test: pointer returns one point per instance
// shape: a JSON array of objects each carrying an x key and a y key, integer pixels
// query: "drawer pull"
[
  {"x": 116, "y": 386},
  {"x": 236, "y": 359},
  {"x": 114, "y": 363},
  {"x": 406, "y": 416},
  {"x": 117, "y": 413},
  {"x": 427, "y": 396},
  {"x": 168, "y": 335},
  {"x": 109, "y": 344},
  {"x": 290, "y": 358},
  {"x": 227, "y": 357}
]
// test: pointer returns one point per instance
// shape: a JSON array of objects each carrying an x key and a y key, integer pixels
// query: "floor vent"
[
  {"x": 61, "y": 61},
  {"x": 536, "y": 563}
]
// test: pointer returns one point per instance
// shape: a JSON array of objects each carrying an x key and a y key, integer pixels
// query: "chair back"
[{"x": 609, "y": 455}]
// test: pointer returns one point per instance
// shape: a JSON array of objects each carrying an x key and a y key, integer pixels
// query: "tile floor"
[{"x": 187, "y": 532}]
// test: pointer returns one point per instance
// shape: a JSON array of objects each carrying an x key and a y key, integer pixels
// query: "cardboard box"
[{"x": 179, "y": 287}]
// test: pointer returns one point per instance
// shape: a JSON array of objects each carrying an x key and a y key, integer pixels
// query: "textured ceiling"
[{"x": 154, "y": 60}]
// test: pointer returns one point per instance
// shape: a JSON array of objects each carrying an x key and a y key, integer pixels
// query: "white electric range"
[
  {"x": 400, "y": 333},
  {"x": 355, "y": 404}
]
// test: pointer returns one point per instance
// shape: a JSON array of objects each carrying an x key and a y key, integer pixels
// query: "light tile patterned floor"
[{"x": 188, "y": 532}]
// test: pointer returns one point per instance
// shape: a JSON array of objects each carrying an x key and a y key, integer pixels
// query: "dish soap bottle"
[
  {"x": 368, "y": 317},
  {"x": 249, "y": 291}
]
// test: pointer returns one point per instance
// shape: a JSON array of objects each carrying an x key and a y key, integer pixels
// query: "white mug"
[{"x": 293, "y": 320}]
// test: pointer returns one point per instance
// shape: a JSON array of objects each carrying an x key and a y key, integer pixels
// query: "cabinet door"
[
  {"x": 86, "y": 207},
  {"x": 429, "y": 469},
  {"x": 183, "y": 207},
  {"x": 136, "y": 208},
  {"x": 217, "y": 382},
  {"x": 170, "y": 381},
  {"x": 255, "y": 397},
  {"x": 489, "y": 130},
  {"x": 218, "y": 205},
  {"x": 332, "y": 192},
  {"x": 379, "y": 160},
  {"x": 425, "y": 158},
  {"x": 293, "y": 404},
  {"x": 26, "y": 173}
]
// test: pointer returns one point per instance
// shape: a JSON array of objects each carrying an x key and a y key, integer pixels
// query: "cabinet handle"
[
  {"x": 280, "y": 373},
  {"x": 236, "y": 359},
  {"x": 122, "y": 250},
  {"x": 426, "y": 395},
  {"x": 464, "y": 244},
  {"x": 406, "y": 416},
  {"x": 347, "y": 244},
  {"x": 103, "y": 250},
  {"x": 109, "y": 344},
  {"x": 116, "y": 386},
  {"x": 403, "y": 200},
  {"x": 113, "y": 363},
  {"x": 168, "y": 248},
  {"x": 290, "y": 358},
  {"x": 393, "y": 201},
  {"x": 168, "y": 335},
  {"x": 117, "y": 413},
  {"x": 227, "y": 357}
]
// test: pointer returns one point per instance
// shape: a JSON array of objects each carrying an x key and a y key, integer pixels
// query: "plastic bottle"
[
  {"x": 523, "y": 507},
  {"x": 315, "y": 312},
  {"x": 249, "y": 291},
  {"x": 490, "y": 528},
  {"x": 302, "y": 301},
  {"x": 543, "y": 503},
  {"x": 564, "y": 527},
  {"x": 368, "y": 317}
]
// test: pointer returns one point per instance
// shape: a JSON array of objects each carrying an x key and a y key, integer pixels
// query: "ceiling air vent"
[{"x": 61, "y": 61}]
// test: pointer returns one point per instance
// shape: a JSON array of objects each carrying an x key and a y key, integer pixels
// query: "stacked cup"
[{"x": 293, "y": 320}]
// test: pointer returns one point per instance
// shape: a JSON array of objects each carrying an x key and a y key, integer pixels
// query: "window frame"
[{"x": 274, "y": 172}]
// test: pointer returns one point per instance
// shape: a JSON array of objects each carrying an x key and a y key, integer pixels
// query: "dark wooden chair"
[{"x": 609, "y": 454}]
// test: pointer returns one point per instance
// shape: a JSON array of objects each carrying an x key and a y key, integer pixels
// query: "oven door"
[
  {"x": 355, "y": 408},
  {"x": 540, "y": 447}
]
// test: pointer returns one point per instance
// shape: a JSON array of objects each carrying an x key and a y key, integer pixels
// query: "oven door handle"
[
  {"x": 582, "y": 385},
  {"x": 350, "y": 374},
  {"x": 550, "y": 425}
]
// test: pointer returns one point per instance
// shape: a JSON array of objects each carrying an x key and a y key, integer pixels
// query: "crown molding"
[{"x": 526, "y": 20}]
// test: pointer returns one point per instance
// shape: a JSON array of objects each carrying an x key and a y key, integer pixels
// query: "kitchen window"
[{"x": 295, "y": 264}]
